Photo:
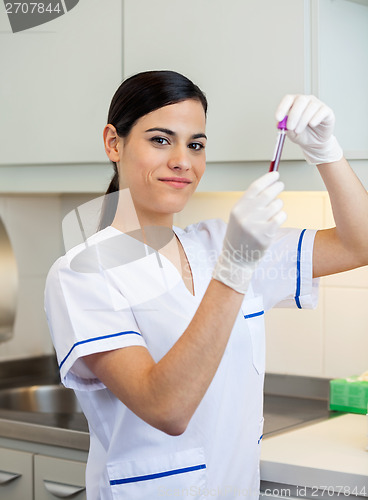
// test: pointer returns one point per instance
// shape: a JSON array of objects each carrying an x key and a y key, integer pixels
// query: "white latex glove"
[
  {"x": 254, "y": 221},
  {"x": 310, "y": 124}
]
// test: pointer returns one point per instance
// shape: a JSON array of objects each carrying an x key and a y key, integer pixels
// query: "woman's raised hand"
[
  {"x": 253, "y": 222},
  {"x": 310, "y": 124}
]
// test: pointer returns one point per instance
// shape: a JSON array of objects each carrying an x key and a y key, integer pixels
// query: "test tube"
[{"x": 279, "y": 145}]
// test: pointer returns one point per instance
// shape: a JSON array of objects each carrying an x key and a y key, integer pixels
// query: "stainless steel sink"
[
  {"x": 40, "y": 398},
  {"x": 8, "y": 285}
]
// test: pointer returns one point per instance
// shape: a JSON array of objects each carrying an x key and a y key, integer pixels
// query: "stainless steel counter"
[
  {"x": 282, "y": 409},
  {"x": 282, "y": 413},
  {"x": 68, "y": 430},
  {"x": 50, "y": 433}
]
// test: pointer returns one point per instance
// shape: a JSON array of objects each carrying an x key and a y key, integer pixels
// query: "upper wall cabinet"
[
  {"x": 244, "y": 54},
  {"x": 57, "y": 81},
  {"x": 341, "y": 63}
]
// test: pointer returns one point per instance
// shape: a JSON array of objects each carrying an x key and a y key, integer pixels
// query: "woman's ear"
[{"x": 111, "y": 142}]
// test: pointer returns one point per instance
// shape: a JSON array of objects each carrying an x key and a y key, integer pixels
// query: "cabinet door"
[
  {"x": 58, "y": 478},
  {"x": 57, "y": 81},
  {"x": 343, "y": 71},
  {"x": 244, "y": 54},
  {"x": 16, "y": 480}
]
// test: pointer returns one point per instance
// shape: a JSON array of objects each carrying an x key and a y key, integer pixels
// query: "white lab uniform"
[{"x": 145, "y": 303}]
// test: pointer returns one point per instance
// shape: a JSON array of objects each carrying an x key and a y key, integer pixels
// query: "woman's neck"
[{"x": 130, "y": 218}]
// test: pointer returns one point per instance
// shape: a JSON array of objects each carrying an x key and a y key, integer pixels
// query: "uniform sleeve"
[
  {"x": 284, "y": 276},
  {"x": 86, "y": 314}
]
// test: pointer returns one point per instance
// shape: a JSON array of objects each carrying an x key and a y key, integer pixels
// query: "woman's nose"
[{"x": 179, "y": 159}]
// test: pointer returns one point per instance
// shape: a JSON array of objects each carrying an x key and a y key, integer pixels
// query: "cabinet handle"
[
  {"x": 7, "y": 477},
  {"x": 60, "y": 490}
]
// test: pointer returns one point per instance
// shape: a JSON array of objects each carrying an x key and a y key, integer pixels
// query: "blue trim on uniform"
[
  {"x": 260, "y": 439},
  {"x": 103, "y": 337},
  {"x": 298, "y": 263},
  {"x": 253, "y": 315},
  {"x": 148, "y": 477}
]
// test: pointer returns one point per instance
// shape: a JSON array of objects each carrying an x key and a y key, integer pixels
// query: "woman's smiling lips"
[{"x": 176, "y": 182}]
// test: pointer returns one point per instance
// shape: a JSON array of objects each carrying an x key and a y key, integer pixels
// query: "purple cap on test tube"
[{"x": 282, "y": 125}]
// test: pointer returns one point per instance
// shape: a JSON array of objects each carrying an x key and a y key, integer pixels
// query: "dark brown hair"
[{"x": 137, "y": 96}]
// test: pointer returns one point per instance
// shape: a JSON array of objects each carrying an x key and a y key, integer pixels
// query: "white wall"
[
  {"x": 33, "y": 223},
  {"x": 33, "y": 226}
]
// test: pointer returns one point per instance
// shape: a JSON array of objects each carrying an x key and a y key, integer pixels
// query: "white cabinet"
[
  {"x": 16, "y": 475},
  {"x": 30, "y": 476},
  {"x": 57, "y": 83},
  {"x": 58, "y": 478},
  {"x": 342, "y": 68},
  {"x": 59, "y": 78},
  {"x": 245, "y": 55}
]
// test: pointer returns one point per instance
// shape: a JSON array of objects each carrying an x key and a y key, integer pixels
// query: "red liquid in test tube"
[{"x": 279, "y": 145}]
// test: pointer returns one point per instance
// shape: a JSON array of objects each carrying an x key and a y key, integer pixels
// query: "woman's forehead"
[{"x": 188, "y": 113}]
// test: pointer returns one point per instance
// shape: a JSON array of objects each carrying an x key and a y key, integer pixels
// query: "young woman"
[{"x": 159, "y": 330}]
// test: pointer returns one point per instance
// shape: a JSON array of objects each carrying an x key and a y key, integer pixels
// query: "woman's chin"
[{"x": 173, "y": 204}]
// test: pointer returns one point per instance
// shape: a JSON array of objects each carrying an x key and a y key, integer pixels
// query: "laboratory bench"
[
  {"x": 281, "y": 414},
  {"x": 310, "y": 452},
  {"x": 68, "y": 430},
  {"x": 326, "y": 459},
  {"x": 284, "y": 408}
]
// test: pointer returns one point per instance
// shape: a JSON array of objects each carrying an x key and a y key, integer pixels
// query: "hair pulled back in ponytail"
[{"x": 137, "y": 96}]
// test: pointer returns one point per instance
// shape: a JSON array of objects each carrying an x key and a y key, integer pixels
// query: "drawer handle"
[
  {"x": 7, "y": 477},
  {"x": 60, "y": 490}
]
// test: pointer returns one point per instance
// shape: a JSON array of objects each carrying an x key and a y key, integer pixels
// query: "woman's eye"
[
  {"x": 160, "y": 140},
  {"x": 197, "y": 146}
]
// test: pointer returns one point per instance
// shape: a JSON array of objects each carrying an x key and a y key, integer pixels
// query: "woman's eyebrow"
[
  {"x": 172, "y": 133},
  {"x": 199, "y": 136}
]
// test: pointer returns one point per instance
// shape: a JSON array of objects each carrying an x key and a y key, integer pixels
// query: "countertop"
[
  {"x": 71, "y": 430},
  {"x": 330, "y": 453},
  {"x": 68, "y": 431},
  {"x": 283, "y": 410},
  {"x": 65, "y": 430},
  {"x": 304, "y": 443},
  {"x": 282, "y": 413}
]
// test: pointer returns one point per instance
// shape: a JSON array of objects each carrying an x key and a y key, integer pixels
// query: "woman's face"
[{"x": 163, "y": 158}]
